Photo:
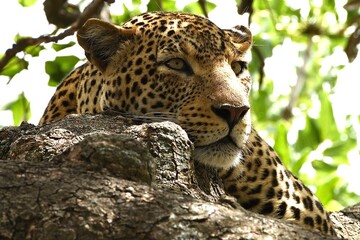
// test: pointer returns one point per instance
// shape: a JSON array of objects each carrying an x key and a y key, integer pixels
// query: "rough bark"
[{"x": 107, "y": 177}]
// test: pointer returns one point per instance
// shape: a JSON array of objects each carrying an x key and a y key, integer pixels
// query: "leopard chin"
[{"x": 224, "y": 153}]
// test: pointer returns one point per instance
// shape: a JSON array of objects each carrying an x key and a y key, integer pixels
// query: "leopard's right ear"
[
  {"x": 101, "y": 40},
  {"x": 241, "y": 37}
]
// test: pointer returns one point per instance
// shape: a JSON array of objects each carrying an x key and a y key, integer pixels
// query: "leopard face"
[{"x": 177, "y": 66}]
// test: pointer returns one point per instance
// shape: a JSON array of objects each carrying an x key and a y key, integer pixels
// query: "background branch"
[{"x": 23, "y": 43}]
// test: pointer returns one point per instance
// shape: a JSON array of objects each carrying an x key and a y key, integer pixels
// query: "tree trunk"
[{"x": 107, "y": 177}]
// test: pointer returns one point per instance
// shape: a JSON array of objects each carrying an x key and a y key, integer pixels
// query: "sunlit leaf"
[
  {"x": 345, "y": 197},
  {"x": 264, "y": 47},
  {"x": 20, "y": 109},
  {"x": 34, "y": 50},
  {"x": 340, "y": 148},
  {"x": 169, "y": 5},
  {"x": 59, "y": 68},
  {"x": 27, "y": 3},
  {"x": 281, "y": 144},
  {"x": 57, "y": 47},
  {"x": 326, "y": 119},
  {"x": 120, "y": 19},
  {"x": 136, "y": 2},
  {"x": 195, "y": 7},
  {"x": 308, "y": 137},
  {"x": 260, "y": 103},
  {"x": 154, "y": 5},
  {"x": 15, "y": 66},
  {"x": 323, "y": 166},
  {"x": 298, "y": 163},
  {"x": 326, "y": 191}
]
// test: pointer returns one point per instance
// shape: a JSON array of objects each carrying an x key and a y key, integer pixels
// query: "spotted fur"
[{"x": 183, "y": 68}]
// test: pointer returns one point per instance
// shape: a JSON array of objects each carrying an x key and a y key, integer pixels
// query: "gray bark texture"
[{"x": 108, "y": 177}]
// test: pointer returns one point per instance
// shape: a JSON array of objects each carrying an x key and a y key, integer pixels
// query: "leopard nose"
[{"x": 231, "y": 114}]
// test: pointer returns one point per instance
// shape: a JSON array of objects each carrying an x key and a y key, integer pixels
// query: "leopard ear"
[
  {"x": 241, "y": 37},
  {"x": 101, "y": 40}
]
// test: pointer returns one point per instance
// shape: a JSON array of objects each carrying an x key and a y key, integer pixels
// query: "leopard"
[{"x": 183, "y": 68}]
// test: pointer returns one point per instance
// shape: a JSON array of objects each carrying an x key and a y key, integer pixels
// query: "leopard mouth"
[
  {"x": 226, "y": 141},
  {"x": 223, "y": 143},
  {"x": 223, "y": 153}
]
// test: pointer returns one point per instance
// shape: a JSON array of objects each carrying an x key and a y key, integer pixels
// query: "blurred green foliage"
[
  {"x": 27, "y": 3},
  {"x": 320, "y": 145},
  {"x": 59, "y": 68},
  {"x": 20, "y": 109},
  {"x": 314, "y": 151}
]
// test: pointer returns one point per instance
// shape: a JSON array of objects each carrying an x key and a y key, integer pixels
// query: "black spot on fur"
[
  {"x": 255, "y": 190},
  {"x": 265, "y": 174},
  {"x": 318, "y": 219},
  {"x": 280, "y": 212},
  {"x": 270, "y": 193},
  {"x": 309, "y": 221},
  {"x": 232, "y": 188},
  {"x": 325, "y": 227},
  {"x": 319, "y": 206},
  {"x": 251, "y": 203},
  {"x": 65, "y": 103},
  {"x": 267, "y": 208},
  {"x": 308, "y": 204},
  {"x": 296, "y": 212}
]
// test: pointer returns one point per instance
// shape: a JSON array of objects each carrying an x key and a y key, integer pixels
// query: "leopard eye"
[
  {"x": 238, "y": 67},
  {"x": 178, "y": 64}
]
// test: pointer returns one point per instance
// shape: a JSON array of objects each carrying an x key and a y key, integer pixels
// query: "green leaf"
[
  {"x": 15, "y": 66},
  {"x": 59, "y": 68},
  {"x": 260, "y": 103},
  {"x": 340, "y": 149},
  {"x": 323, "y": 166},
  {"x": 281, "y": 144},
  {"x": 195, "y": 8},
  {"x": 326, "y": 119},
  {"x": 27, "y": 3},
  {"x": 159, "y": 5},
  {"x": 297, "y": 165},
  {"x": 126, "y": 15},
  {"x": 309, "y": 137},
  {"x": 264, "y": 46},
  {"x": 20, "y": 109},
  {"x": 153, "y": 5},
  {"x": 57, "y": 47},
  {"x": 168, "y": 5},
  {"x": 34, "y": 50},
  {"x": 344, "y": 196},
  {"x": 326, "y": 191}
]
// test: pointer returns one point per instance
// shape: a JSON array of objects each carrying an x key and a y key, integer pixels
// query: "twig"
[
  {"x": 23, "y": 43},
  {"x": 202, "y": 4},
  {"x": 245, "y": 6},
  {"x": 272, "y": 17},
  {"x": 262, "y": 64}
]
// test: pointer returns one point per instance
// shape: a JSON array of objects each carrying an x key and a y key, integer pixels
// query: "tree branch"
[
  {"x": 23, "y": 43},
  {"x": 104, "y": 177}
]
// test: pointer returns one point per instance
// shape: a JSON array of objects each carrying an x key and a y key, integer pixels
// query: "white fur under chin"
[{"x": 218, "y": 156}]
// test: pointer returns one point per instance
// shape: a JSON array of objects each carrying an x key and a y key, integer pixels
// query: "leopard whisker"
[{"x": 152, "y": 117}]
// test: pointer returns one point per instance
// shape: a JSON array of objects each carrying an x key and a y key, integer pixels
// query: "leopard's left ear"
[
  {"x": 101, "y": 40},
  {"x": 241, "y": 37}
]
